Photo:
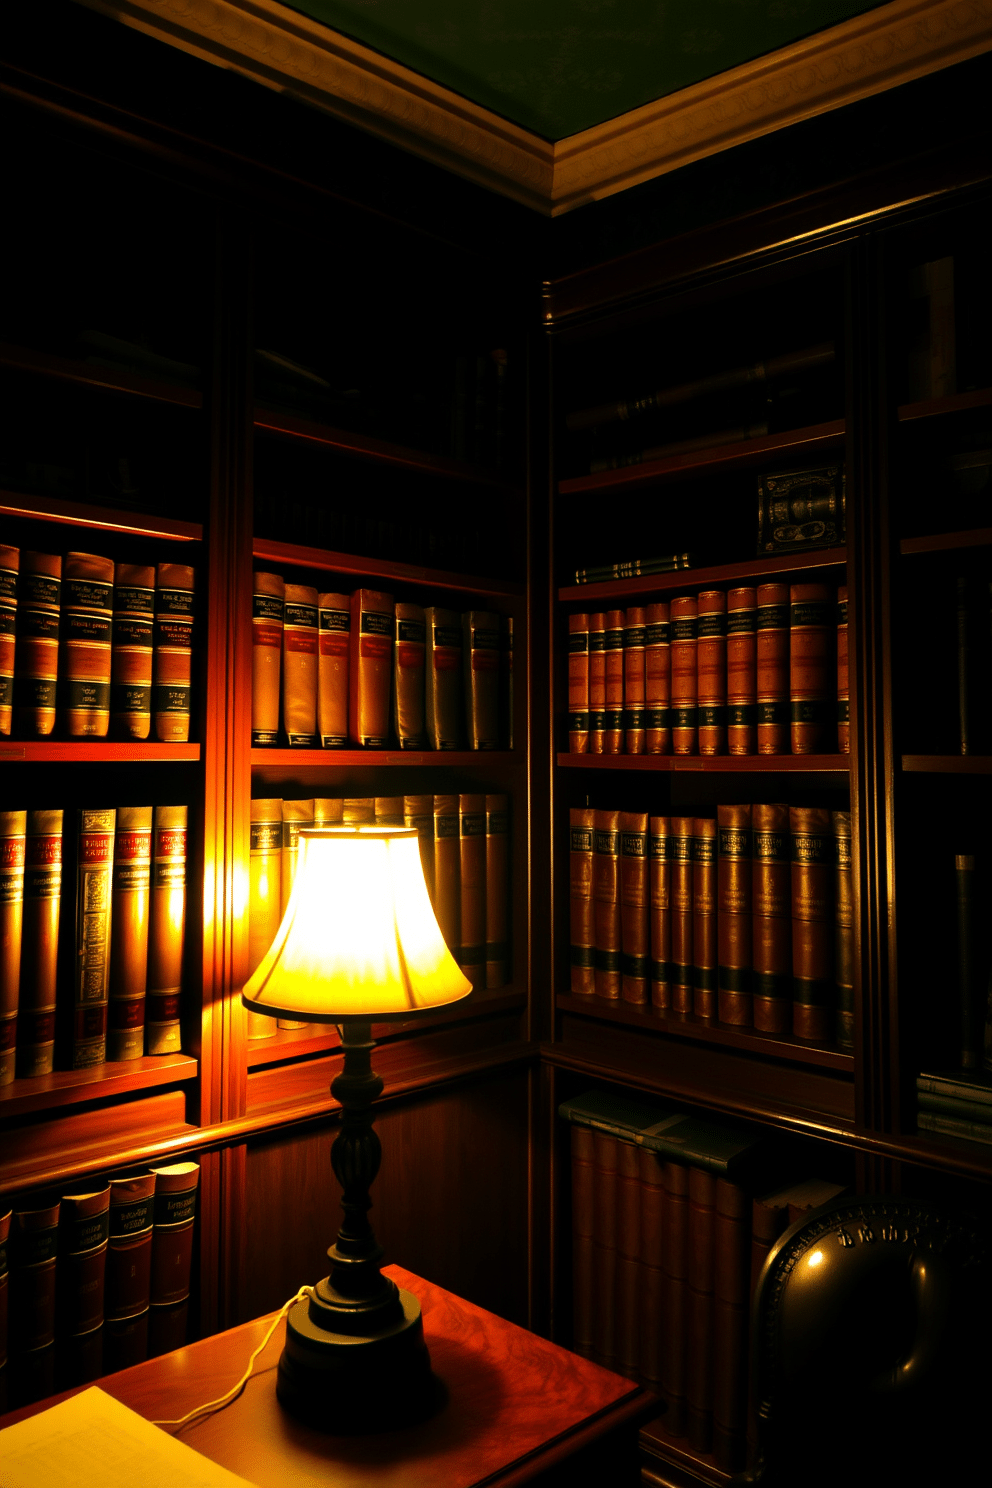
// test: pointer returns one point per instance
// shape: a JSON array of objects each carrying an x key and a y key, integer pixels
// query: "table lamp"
[{"x": 358, "y": 941}]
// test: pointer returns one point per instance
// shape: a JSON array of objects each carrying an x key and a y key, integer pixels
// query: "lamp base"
[{"x": 350, "y": 1384}]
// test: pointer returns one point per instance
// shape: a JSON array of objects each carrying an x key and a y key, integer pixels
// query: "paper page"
[{"x": 92, "y": 1441}]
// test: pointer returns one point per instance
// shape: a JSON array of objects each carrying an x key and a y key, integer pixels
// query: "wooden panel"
[
  {"x": 720, "y": 764},
  {"x": 327, "y": 759},
  {"x": 51, "y": 1151},
  {"x": 102, "y": 518},
  {"x": 71, "y": 1087},
  {"x": 95, "y": 751},
  {"x": 948, "y": 764},
  {"x": 956, "y": 403},
  {"x": 781, "y": 565},
  {"x": 942, "y": 542},
  {"x": 116, "y": 380}
]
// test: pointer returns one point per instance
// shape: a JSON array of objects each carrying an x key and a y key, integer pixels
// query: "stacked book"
[
  {"x": 94, "y": 646},
  {"x": 465, "y": 849},
  {"x": 745, "y": 918},
  {"x": 98, "y": 1280},
  {"x": 367, "y": 669},
  {"x": 955, "y": 1103}
]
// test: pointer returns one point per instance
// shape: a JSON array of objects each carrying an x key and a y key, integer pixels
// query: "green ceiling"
[{"x": 558, "y": 66}]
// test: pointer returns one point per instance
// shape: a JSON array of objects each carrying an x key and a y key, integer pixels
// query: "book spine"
[
  {"x": 597, "y": 682},
  {"x": 731, "y": 1258},
  {"x": 843, "y": 676},
  {"x": 964, "y": 872},
  {"x": 172, "y": 691},
  {"x": 742, "y": 675},
  {"x": 657, "y": 680},
  {"x": 684, "y": 623},
  {"x": 388, "y": 813},
  {"x": 95, "y": 857},
  {"x": 812, "y": 923},
  {"x": 356, "y": 810},
  {"x": 5, "y": 1219},
  {"x": 87, "y": 622},
  {"x": 264, "y": 895},
  {"x": 606, "y": 1156},
  {"x": 771, "y": 981},
  {"x": 125, "y": 1341},
  {"x": 660, "y": 879},
  {"x": 370, "y": 668},
  {"x": 132, "y": 650},
  {"x": 295, "y": 814},
  {"x": 506, "y": 679},
  {"x": 964, "y": 742},
  {"x": 447, "y": 895},
  {"x": 711, "y": 671},
  {"x": 628, "y": 1296},
  {"x": 634, "y": 679},
  {"x": 613, "y": 725},
  {"x": 497, "y": 890},
  {"x": 652, "y": 1290},
  {"x": 172, "y": 1233},
  {"x": 166, "y": 930},
  {"x": 129, "y": 1253},
  {"x": 268, "y": 613},
  {"x": 675, "y": 1267},
  {"x": 578, "y": 684},
  {"x": 957, "y": 1089},
  {"x": 704, "y": 918},
  {"x": 409, "y": 651},
  {"x": 949, "y": 1105},
  {"x": 583, "y": 1243},
  {"x": 333, "y": 648},
  {"x": 606, "y": 904},
  {"x": 843, "y": 929},
  {"x": 443, "y": 678},
  {"x": 328, "y": 811},
  {"x": 131, "y": 885},
  {"x": 472, "y": 887},
  {"x": 699, "y": 1351},
  {"x": 34, "y": 1243},
  {"x": 36, "y": 661},
  {"x": 13, "y": 827},
  {"x": 772, "y": 664},
  {"x": 682, "y": 927},
  {"x": 480, "y": 655},
  {"x": 635, "y": 941},
  {"x": 952, "y": 1126},
  {"x": 299, "y": 667},
  {"x": 581, "y": 916},
  {"x": 10, "y": 562},
  {"x": 734, "y": 915},
  {"x": 84, "y": 1228},
  {"x": 39, "y": 943},
  {"x": 810, "y": 657},
  {"x": 418, "y": 812}
]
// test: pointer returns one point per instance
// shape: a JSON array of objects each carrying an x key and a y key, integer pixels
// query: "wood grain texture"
[{"x": 782, "y": 565}]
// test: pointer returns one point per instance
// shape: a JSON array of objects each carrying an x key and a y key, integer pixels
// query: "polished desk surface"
[{"x": 517, "y": 1405}]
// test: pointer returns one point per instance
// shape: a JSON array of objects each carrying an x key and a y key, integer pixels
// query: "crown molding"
[{"x": 293, "y": 54}]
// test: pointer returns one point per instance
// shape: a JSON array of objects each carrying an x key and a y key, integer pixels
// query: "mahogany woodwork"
[
  {"x": 835, "y": 765},
  {"x": 780, "y": 564},
  {"x": 311, "y": 759},
  {"x": 942, "y": 542},
  {"x": 948, "y": 764},
  {"x": 86, "y": 751},
  {"x": 381, "y": 568},
  {"x": 102, "y": 518},
  {"x": 668, "y": 1462},
  {"x": 955, "y": 403},
  {"x": 71, "y": 1087},
  {"x": 111, "y": 379}
]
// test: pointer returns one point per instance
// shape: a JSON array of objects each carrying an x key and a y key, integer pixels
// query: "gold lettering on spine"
[
  {"x": 86, "y": 650},
  {"x": 268, "y": 604},
  {"x": 172, "y": 691},
  {"x": 36, "y": 665},
  {"x": 95, "y": 857},
  {"x": 129, "y": 933},
  {"x": 13, "y": 825},
  {"x": 334, "y": 623},
  {"x": 131, "y": 667},
  {"x": 166, "y": 930},
  {"x": 10, "y": 562},
  {"x": 39, "y": 945}
]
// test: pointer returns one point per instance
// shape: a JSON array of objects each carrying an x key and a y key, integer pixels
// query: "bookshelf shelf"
[
  {"x": 719, "y": 764},
  {"x": 102, "y": 518},
  {"x": 72, "y": 1087},
  {"x": 109, "y": 379},
  {"x": 747, "y": 452},
  {"x": 687, "y": 579},
  {"x": 326, "y": 561},
  {"x": 947, "y": 764},
  {"x": 933, "y": 407},
  {"x": 93, "y": 751},
  {"x": 375, "y": 758},
  {"x": 946, "y": 542}
]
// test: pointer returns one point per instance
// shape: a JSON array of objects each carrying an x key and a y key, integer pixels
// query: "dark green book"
[
  {"x": 974, "y": 1087},
  {"x": 949, "y": 1105},
  {"x": 952, "y": 1126},
  {"x": 719, "y": 1147}
]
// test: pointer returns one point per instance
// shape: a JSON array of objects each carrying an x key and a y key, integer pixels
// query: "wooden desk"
[{"x": 520, "y": 1410}]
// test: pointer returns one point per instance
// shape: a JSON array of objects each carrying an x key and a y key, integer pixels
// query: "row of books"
[
  {"x": 119, "y": 990},
  {"x": 94, "y": 644},
  {"x": 751, "y": 670},
  {"x": 746, "y": 919},
  {"x": 364, "y": 668},
  {"x": 670, "y": 1229},
  {"x": 955, "y": 1103},
  {"x": 465, "y": 849},
  {"x": 96, "y": 1280}
]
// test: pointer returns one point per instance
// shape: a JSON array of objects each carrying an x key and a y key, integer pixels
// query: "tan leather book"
[
  {"x": 447, "y": 898},
  {"x": 843, "y": 929},
  {"x": 13, "y": 826},
  {"x": 418, "y": 812},
  {"x": 660, "y": 884},
  {"x": 443, "y": 709},
  {"x": 606, "y": 904},
  {"x": 94, "y": 868},
  {"x": 613, "y": 682},
  {"x": 635, "y": 932},
  {"x": 36, "y": 661},
  {"x": 39, "y": 943},
  {"x": 704, "y": 918},
  {"x": 843, "y": 675},
  {"x": 771, "y": 926},
  {"x": 734, "y": 915},
  {"x": 409, "y": 650},
  {"x": 264, "y": 895},
  {"x": 84, "y": 1228},
  {"x": 597, "y": 681},
  {"x": 166, "y": 930},
  {"x": 684, "y": 631},
  {"x": 581, "y": 919},
  {"x": 133, "y": 646},
  {"x": 371, "y": 666},
  {"x": 389, "y": 811},
  {"x": 328, "y": 811},
  {"x": 10, "y": 562},
  {"x": 711, "y": 671},
  {"x": 333, "y": 668},
  {"x": 812, "y": 922},
  {"x": 299, "y": 666},
  {"x": 480, "y": 663},
  {"x": 295, "y": 814},
  {"x": 680, "y": 843},
  {"x": 657, "y": 679},
  {"x": 472, "y": 887},
  {"x": 578, "y": 684},
  {"x": 87, "y": 623},
  {"x": 634, "y": 641},
  {"x": 742, "y": 677},
  {"x": 172, "y": 687},
  {"x": 497, "y": 890},
  {"x": 267, "y": 615},
  {"x": 772, "y": 668},
  {"x": 131, "y": 885},
  {"x": 357, "y": 810},
  {"x": 812, "y": 669},
  {"x": 129, "y": 1251},
  {"x": 172, "y": 1235}
]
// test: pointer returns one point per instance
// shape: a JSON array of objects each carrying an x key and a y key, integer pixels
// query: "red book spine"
[
  {"x": 613, "y": 727},
  {"x": 772, "y": 918},
  {"x": 583, "y": 1263},
  {"x": 699, "y": 1352},
  {"x": 370, "y": 667},
  {"x": 704, "y": 919},
  {"x": 581, "y": 917},
  {"x": 657, "y": 680},
  {"x": 684, "y": 695},
  {"x": 674, "y": 1262},
  {"x": 742, "y": 676},
  {"x": 660, "y": 877},
  {"x": 604, "y": 1179},
  {"x": 652, "y": 1327},
  {"x": 772, "y": 662},
  {"x": 634, "y": 907},
  {"x": 606, "y": 904},
  {"x": 628, "y": 1300},
  {"x": 812, "y": 922},
  {"x": 711, "y": 671},
  {"x": 843, "y": 686},
  {"x": 634, "y": 679},
  {"x": 810, "y": 657},
  {"x": 597, "y": 681},
  {"x": 681, "y": 963},
  {"x": 734, "y": 915},
  {"x": 578, "y": 684},
  {"x": 730, "y": 1325}
]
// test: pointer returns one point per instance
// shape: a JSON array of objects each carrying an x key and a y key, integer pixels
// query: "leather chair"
[{"x": 871, "y": 1350}]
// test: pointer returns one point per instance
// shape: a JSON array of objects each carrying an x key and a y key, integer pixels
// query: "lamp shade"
[{"x": 358, "y": 938}]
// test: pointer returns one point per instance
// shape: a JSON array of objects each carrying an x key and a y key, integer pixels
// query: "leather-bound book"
[
  {"x": 264, "y": 895},
  {"x": 87, "y": 623},
  {"x": 472, "y": 887},
  {"x": 660, "y": 886},
  {"x": 5, "y": 1218},
  {"x": 34, "y": 1244},
  {"x": 13, "y": 826},
  {"x": 680, "y": 843},
  {"x": 769, "y": 1217},
  {"x": 370, "y": 668},
  {"x": 36, "y": 661},
  {"x": 295, "y": 814},
  {"x": 480, "y": 663},
  {"x": 699, "y": 1300},
  {"x": 734, "y": 915},
  {"x": 388, "y": 811},
  {"x": 606, "y": 1158},
  {"x": 418, "y": 812},
  {"x": 731, "y": 1302},
  {"x": 613, "y": 724},
  {"x": 409, "y": 651},
  {"x": 711, "y": 671},
  {"x": 130, "y": 888},
  {"x": 125, "y": 1340},
  {"x": 704, "y": 918},
  {"x": 94, "y": 869},
  {"x": 635, "y": 928},
  {"x": 172, "y": 1253},
  {"x": 10, "y": 562},
  {"x": 84, "y": 1227},
  {"x": 811, "y": 670},
  {"x": 843, "y": 929},
  {"x": 742, "y": 674},
  {"x": 267, "y": 615},
  {"x": 328, "y": 811},
  {"x": 166, "y": 930},
  {"x": 684, "y": 613},
  {"x": 581, "y": 917},
  {"x": 597, "y": 682},
  {"x": 772, "y": 663},
  {"x": 129, "y": 1269},
  {"x": 357, "y": 810},
  {"x": 172, "y": 671},
  {"x": 39, "y": 943},
  {"x": 299, "y": 666},
  {"x": 650, "y": 1172},
  {"x": 675, "y": 1274},
  {"x": 447, "y": 897},
  {"x": 132, "y": 650},
  {"x": 964, "y": 874},
  {"x": 606, "y": 904},
  {"x": 333, "y": 668},
  {"x": 628, "y": 1297},
  {"x": 444, "y": 712},
  {"x": 634, "y": 678},
  {"x": 497, "y": 890},
  {"x": 843, "y": 675},
  {"x": 583, "y": 1261},
  {"x": 657, "y": 680},
  {"x": 812, "y": 923},
  {"x": 771, "y": 924},
  {"x": 578, "y": 684}
]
